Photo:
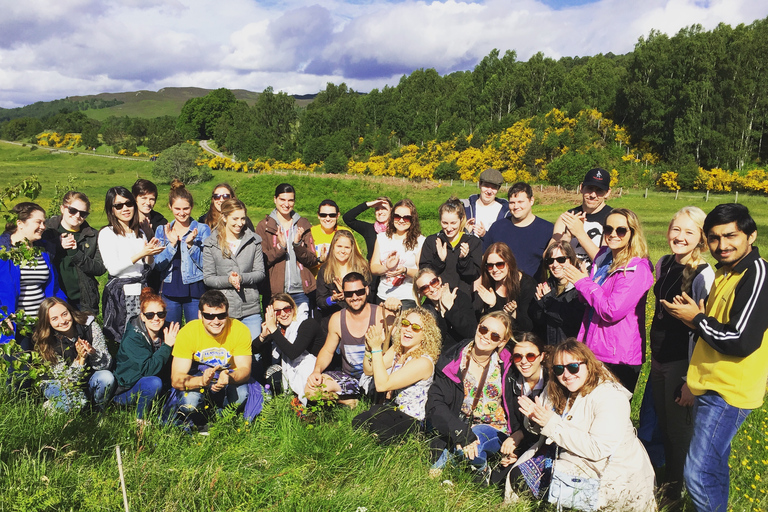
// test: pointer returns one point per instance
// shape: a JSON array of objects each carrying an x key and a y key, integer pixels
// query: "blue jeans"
[
  {"x": 490, "y": 439},
  {"x": 715, "y": 423},
  {"x": 253, "y": 323},
  {"x": 175, "y": 309},
  {"x": 192, "y": 403},
  {"x": 100, "y": 387},
  {"x": 143, "y": 393}
]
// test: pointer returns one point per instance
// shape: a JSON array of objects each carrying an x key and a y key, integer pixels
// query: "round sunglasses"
[
  {"x": 483, "y": 330},
  {"x": 530, "y": 357},
  {"x": 573, "y": 368},
  {"x": 434, "y": 282},
  {"x": 414, "y": 327}
]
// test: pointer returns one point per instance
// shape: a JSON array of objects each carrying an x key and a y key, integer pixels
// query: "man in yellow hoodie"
[{"x": 729, "y": 365}]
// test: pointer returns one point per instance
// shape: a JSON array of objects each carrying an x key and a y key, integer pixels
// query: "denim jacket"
[{"x": 191, "y": 258}]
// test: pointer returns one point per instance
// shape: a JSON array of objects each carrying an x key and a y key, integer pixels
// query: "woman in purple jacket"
[{"x": 615, "y": 293}]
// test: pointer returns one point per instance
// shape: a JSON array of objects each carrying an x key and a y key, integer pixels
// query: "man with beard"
[{"x": 346, "y": 330}]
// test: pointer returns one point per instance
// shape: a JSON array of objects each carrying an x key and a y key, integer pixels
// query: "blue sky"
[{"x": 51, "y": 49}]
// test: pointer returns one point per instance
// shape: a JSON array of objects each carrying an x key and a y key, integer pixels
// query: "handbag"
[{"x": 577, "y": 492}]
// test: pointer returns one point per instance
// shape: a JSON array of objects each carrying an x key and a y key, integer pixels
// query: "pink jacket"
[{"x": 614, "y": 324}]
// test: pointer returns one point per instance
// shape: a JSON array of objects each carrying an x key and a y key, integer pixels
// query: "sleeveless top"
[
  {"x": 412, "y": 400},
  {"x": 353, "y": 348}
]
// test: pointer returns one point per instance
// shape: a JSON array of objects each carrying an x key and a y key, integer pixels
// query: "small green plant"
[
  {"x": 58, "y": 194},
  {"x": 20, "y": 253}
]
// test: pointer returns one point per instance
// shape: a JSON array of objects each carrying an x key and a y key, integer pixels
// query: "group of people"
[{"x": 514, "y": 343}]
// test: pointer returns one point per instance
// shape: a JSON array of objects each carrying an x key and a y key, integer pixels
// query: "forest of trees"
[{"x": 698, "y": 98}]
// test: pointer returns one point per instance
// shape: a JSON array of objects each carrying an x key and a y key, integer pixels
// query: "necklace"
[
  {"x": 662, "y": 294},
  {"x": 478, "y": 363}
]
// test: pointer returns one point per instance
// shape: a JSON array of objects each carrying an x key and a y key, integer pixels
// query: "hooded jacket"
[
  {"x": 455, "y": 270},
  {"x": 277, "y": 257},
  {"x": 470, "y": 208},
  {"x": 137, "y": 358},
  {"x": 614, "y": 321}
]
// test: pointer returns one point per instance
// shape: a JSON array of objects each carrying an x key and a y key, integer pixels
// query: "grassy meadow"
[{"x": 67, "y": 462}]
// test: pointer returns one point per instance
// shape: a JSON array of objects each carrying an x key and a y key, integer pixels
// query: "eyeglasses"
[
  {"x": 530, "y": 357},
  {"x": 573, "y": 368},
  {"x": 151, "y": 314},
  {"x": 217, "y": 316},
  {"x": 434, "y": 282},
  {"x": 414, "y": 327},
  {"x": 560, "y": 259},
  {"x": 327, "y": 215},
  {"x": 222, "y": 196},
  {"x": 405, "y": 218},
  {"x": 621, "y": 232},
  {"x": 499, "y": 265},
  {"x": 352, "y": 293},
  {"x": 483, "y": 330},
  {"x": 119, "y": 206},
  {"x": 75, "y": 211},
  {"x": 287, "y": 310}
]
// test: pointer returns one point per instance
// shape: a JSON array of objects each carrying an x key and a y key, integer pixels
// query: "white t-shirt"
[
  {"x": 400, "y": 287},
  {"x": 116, "y": 252},
  {"x": 486, "y": 215}
]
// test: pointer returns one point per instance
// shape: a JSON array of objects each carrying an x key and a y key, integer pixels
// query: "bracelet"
[{"x": 375, "y": 351}]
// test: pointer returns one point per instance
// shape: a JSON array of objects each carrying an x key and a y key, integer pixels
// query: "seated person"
[
  {"x": 72, "y": 343},
  {"x": 404, "y": 372},
  {"x": 142, "y": 371},
  {"x": 450, "y": 307},
  {"x": 346, "y": 330},
  {"x": 211, "y": 359}
]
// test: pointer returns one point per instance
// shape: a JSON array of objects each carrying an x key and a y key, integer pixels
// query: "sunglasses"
[
  {"x": 621, "y": 232},
  {"x": 483, "y": 330},
  {"x": 287, "y": 310},
  {"x": 499, "y": 265},
  {"x": 434, "y": 282},
  {"x": 75, "y": 211},
  {"x": 218, "y": 316},
  {"x": 530, "y": 357},
  {"x": 222, "y": 196},
  {"x": 352, "y": 293},
  {"x": 573, "y": 368},
  {"x": 414, "y": 327},
  {"x": 119, "y": 206},
  {"x": 560, "y": 259},
  {"x": 406, "y": 218},
  {"x": 327, "y": 215},
  {"x": 151, "y": 314}
]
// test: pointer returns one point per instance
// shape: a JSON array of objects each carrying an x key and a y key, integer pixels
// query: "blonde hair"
[
  {"x": 637, "y": 247},
  {"x": 697, "y": 216},
  {"x": 227, "y": 207},
  {"x": 356, "y": 263},
  {"x": 433, "y": 339}
]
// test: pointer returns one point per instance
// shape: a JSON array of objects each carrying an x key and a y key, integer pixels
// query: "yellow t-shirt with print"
[{"x": 194, "y": 342}]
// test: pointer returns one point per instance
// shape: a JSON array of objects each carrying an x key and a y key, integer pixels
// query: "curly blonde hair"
[{"x": 433, "y": 338}]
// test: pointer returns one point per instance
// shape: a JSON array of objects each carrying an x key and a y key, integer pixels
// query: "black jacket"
[
  {"x": 557, "y": 317},
  {"x": 87, "y": 261},
  {"x": 522, "y": 321},
  {"x": 459, "y": 322},
  {"x": 456, "y": 271}
]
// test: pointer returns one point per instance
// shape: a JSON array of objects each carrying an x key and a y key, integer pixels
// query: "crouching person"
[{"x": 212, "y": 363}]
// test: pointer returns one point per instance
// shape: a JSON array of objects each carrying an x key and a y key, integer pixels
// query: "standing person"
[
  {"x": 143, "y": 370},
  {"x": 396, "y": 255},
  {"x": 322, "y": 234},
  {"x": 483, "y": 209},
  {"x": 729, "y": 365},
  {"x": 181, "y": 262},
  {"x": 455, "y": 255},
  {"x": 24, "y": 287},
  {"x": 526, "y": 234},
  {"x": 685, "y": 270},
  {"x": 557, "y": 311},
  {"x": 383, "y": 209},
  {"x": 72, "y": 343},
  {"x": 128, "y": 257},
  {"x": 404, "y": 372},
  {"x": 221, "y": 193},
  {"x": 615, "y": 292},
  {"x": 233, "y": 263},
  {"x": 77, "y": 260},
  {"x": 448, "y": 305},
  {"x": 583, "y": 225},
  {"x": 145, "y": 193},
  {"x": 289, "y": 249},
  {"x": 503, "y": 287},
  {"x": 343, "y": 257}
]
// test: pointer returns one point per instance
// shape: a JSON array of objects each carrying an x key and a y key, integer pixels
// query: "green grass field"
[{"x": 278, "y": 463}]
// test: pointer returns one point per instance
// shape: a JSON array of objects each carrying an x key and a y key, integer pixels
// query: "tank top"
[{"x": 353, "y": 348}]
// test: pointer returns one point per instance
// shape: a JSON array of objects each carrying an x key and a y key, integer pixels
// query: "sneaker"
[{"x": 202, "y": 430}]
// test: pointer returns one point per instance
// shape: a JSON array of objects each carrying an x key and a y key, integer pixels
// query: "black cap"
[{"x": 597, "y": 177}]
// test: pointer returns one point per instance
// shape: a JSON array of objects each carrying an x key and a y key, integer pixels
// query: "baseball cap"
[
  {"x": 491, "y": 176},
  {"x": 597, "y": 177}
]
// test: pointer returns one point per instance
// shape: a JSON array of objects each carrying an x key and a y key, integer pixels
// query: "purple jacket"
[{"x": 614, "y": 323}]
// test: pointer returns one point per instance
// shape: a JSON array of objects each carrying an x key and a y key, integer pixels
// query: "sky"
[{"x": 51, "y": 49}]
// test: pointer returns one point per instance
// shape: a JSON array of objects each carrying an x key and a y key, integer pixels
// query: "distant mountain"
[{"x": 165, "y": 102}]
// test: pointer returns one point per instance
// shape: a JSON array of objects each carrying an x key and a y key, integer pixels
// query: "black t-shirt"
[{"x": 593, "y": 225}]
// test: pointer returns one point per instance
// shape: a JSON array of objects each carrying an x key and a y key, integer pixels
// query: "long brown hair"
[
  {"x": 227, "y": 207},
  {"x": 512, "y": 281},
  {"x": 356, "y": 261},
  {"x": 117, "y": 227},
  {"x": 213, "y": 215},
  {"x": 454, "y": 205},
  {"x": 596, "y": 373},
  {"x": 414, "y": 230},
  {"x": 179, "y": 191},
  {"x": 44, "y": 335}
]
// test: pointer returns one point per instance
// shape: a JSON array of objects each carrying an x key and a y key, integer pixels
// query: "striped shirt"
[{"x": 32, "y": 285}]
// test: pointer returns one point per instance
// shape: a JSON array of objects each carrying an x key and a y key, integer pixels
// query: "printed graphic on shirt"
[{"x": 215, "y": 356}]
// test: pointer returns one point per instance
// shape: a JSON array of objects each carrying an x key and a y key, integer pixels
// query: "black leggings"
[
  {"x": 626, "y": 373},
  {"x": 386, "y": 422}
]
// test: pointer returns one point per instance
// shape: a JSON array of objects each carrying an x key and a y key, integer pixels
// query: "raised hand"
[
  {"x": 191, "y": 238},
  {"x": 299, "y": 234},
  {"x": 170, "y": 332},
  {"x": 535, "y": 411},
  {"x": 486, "y": 295},
  {"x": 542, "y": 289},
  {"x": 281, "y": 239},
  {"x": 510, "y": 308},
  {"x": 270, "y": 319},
  {"x": 573, "y": 274},
  {"x": 463, "y": 250},
  {"x": 392, "y": 261},
  {"x": 447, "y": 297},
  {"x": 442, "y": 249},
  {"x": 374, "y": 338},
  {"x": 170, "y": 235},
  {"x": 68, "y": 241}
]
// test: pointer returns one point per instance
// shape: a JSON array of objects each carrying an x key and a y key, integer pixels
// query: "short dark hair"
[
  {"x": 328, "y": 202},
  {"x": 518, "y": 187},
  {"x": 731, "y": 212},
  {"x": 353, "y": 277},
  {"x": 213, "y": 299},
  {"x": 285, "y": 188},
  {"x": 23, "y": 212},
  {"x": 142, "y": 187}
]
